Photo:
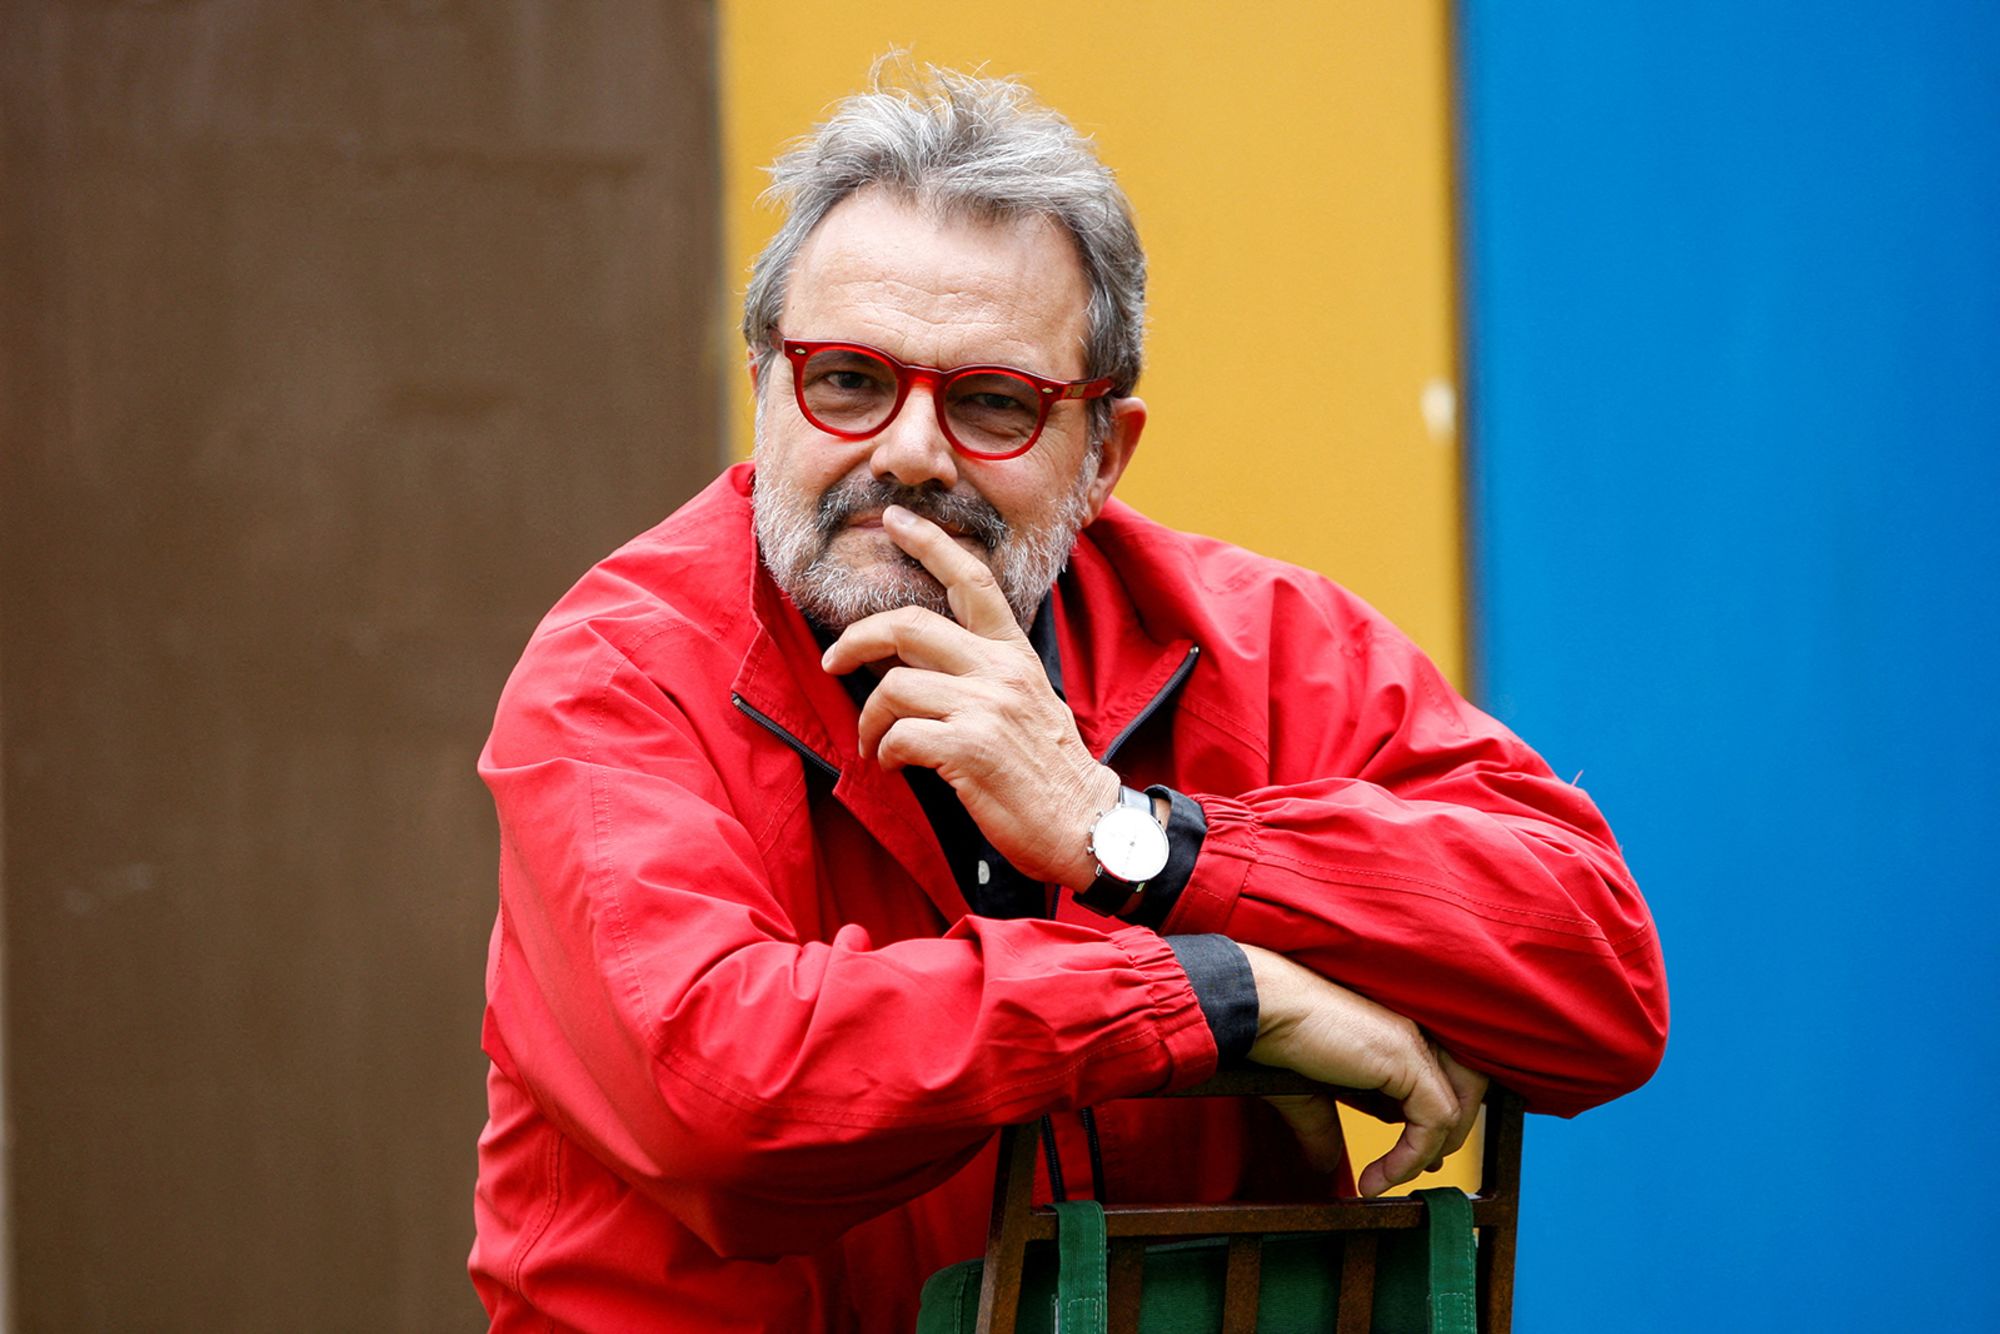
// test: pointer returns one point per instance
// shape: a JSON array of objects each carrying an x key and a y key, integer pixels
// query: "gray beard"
[{"x": 795, "y": 536}]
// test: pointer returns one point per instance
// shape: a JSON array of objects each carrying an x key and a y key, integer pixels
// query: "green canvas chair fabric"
[{"x": 1424, "y": 1280}]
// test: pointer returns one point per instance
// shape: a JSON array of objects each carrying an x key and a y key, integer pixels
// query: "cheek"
[
  {"x": 1027, "y": 496},
  {"x": 802, "y": 461}
]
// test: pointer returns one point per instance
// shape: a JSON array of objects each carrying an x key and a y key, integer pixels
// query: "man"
[{"x": 905, "y": 785}]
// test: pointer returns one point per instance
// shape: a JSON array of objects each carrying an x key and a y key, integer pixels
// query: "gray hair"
[{"x": 966, "y": 146}]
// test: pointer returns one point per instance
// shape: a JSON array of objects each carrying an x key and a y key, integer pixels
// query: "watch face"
[{"x": 1129, "y": 844}]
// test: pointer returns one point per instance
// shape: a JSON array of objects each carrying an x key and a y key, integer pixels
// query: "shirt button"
[{"x": 985, "y": 871}]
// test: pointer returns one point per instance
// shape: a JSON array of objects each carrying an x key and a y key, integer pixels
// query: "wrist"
[
  {"x": 1100, "y": 794},
  {"x": 1277, "y": 993}
]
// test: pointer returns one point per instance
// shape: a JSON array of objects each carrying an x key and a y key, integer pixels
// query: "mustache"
[{"x": 967, "y": 514}]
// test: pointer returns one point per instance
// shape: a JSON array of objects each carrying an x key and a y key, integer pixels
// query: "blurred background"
[{"x": 1638, "y": 360}]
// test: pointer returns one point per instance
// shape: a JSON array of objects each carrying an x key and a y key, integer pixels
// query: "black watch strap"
[{"x": 1187, "y": 831}]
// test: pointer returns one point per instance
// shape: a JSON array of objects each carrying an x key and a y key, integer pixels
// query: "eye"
[
  {"x": 844, "y": 390},
  {"x": 994, "y": 396},
  {"x": 846, "y": 374}
]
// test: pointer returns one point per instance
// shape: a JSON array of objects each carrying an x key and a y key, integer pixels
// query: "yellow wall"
[
  {"x": 1288, "y": 164},
  {"x": 1289, "y": 167}
]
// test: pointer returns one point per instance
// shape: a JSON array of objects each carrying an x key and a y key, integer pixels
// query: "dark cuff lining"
[
  {"x": 1223, "y": 987},
  {"x": 1187, "y": 828}
]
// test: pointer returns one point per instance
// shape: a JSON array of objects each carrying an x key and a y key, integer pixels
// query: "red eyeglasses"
[{"x": 987, "y": 412}]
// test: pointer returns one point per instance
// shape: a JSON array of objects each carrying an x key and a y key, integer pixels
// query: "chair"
[{"x": 1358, "y": 1225}]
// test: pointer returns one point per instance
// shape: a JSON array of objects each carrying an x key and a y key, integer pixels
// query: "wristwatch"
[{"x": 1129, "y": 846}]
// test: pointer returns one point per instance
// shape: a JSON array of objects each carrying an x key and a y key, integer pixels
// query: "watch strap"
[{"x": 1187, "y": 831}]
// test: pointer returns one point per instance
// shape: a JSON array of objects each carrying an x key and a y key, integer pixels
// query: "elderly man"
[{"x": 903, "y": 785}]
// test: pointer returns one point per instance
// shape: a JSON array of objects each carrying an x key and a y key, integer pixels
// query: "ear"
[
  {"x": 1128, "y": 421},
  {"x": 752, "y": 364}
]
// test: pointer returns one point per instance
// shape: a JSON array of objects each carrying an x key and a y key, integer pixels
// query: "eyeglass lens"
[{"x": 850, "y": 391}]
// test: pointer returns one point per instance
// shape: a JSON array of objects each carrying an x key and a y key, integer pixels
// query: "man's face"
[{"x": 932, "y": 292}]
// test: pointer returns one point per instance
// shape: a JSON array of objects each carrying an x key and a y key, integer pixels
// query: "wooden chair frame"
[{"x": 1016, "y": 1222}]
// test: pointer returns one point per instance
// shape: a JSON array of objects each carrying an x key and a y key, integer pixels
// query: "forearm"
[
  {"x": 1517, "y": 939},
  {"x": 772, "y": 1092}
]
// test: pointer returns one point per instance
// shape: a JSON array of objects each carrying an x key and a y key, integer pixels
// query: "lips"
[{"x": 873, "y": 519}]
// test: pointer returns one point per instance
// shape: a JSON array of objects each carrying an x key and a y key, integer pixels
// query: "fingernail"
[{"x": 896, "y": 514}]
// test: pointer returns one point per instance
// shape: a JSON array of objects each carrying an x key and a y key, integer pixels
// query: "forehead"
[{"x": 941, "y": 290}]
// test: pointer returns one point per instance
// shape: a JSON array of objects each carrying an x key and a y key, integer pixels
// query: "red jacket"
[{"x": 747, "y": 1047}]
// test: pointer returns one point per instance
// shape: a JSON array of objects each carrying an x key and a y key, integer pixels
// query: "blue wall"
[{"x": 1733, "y": 307}]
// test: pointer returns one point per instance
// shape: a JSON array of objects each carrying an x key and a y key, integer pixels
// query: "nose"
[{"x": 912, "y": 448}]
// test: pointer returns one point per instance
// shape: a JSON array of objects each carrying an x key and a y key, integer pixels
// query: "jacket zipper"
[
  {"x": 1167, "y": 692},
  {"x": 1088, "y": 1115},
  {"x": 819, "y": 762},
  {"x": 805, "y": 752},
  {"x": 1153, "y": 705}
]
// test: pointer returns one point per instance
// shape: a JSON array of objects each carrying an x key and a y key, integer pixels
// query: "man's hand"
[
  {"x": 1325, "y": 1031},
  {"x": 971, "y": 701}
]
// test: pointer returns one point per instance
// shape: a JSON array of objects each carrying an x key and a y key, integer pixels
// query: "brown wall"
[{"x": 336, "y": 340}]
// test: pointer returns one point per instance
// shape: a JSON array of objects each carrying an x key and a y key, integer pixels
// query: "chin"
[{"x": 835, "y": 594}]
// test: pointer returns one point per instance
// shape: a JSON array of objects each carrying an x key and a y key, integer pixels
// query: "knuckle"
[
  {"x": 1015, "y": 678},
  {"x": 895, "y": 743},
  {"x": 1401, "y": 1042}
]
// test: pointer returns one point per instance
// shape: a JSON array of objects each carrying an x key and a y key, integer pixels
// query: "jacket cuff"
[
  {"x": 1220, "y": 975},
  {"x": 1187, "y": 830},
  {"x": 1186, "y": 1040},
  {"x": 1228, "y": 852}
]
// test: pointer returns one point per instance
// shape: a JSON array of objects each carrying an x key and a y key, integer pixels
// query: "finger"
[
  {"x": 906, "y": 692},
  {"x": 1405, "y": 1160},
  {"x": 1373, "y": 1103},
  {"x": 1429, "y": 1112},
  {"x": 976, "y": 599},
  {"x": 1469, "y": 1087},
  {"x": 913, "y": 635},
  {"x": 1408, "y": 1158},
  {"x": 924, "y": 743},
  {"x": 1315, "y": 1122}
]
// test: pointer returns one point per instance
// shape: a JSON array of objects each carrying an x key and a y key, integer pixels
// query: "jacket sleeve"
[
  {"x": 650, "y": 989},
  {"x": 1412, "y": 848}
]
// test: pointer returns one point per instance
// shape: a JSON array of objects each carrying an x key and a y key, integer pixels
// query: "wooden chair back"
[{"x": 1358, "y": 1224}]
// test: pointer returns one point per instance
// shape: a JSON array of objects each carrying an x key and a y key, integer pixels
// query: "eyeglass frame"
[{"x": 798, "y": 351}]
